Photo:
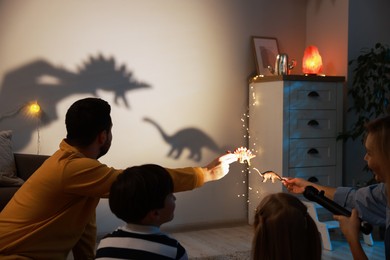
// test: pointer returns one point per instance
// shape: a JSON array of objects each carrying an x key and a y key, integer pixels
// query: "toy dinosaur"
[{"x": 269, "y": 175}]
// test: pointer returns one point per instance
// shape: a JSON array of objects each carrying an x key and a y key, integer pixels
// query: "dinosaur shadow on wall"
[
  {"x": 47, "y": 84},
  {"x": 192, "y": 139}
]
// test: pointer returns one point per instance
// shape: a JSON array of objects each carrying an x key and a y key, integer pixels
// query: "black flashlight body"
[{"x": 313, "y": 194}]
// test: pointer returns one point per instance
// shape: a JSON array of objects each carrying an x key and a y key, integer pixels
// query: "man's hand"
[{"x": 219, "y": 167}]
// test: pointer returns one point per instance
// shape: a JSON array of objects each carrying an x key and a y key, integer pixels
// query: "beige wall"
[{"x": 327, "y": 28}]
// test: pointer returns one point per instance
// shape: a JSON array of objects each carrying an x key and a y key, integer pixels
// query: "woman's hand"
[
  {"x": 296, "y": 185},
  {"x": 350, "y": 226}
]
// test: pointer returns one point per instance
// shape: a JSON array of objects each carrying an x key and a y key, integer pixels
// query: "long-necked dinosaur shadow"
[
  {"x": 47, "y": 84},
  {"x": 191, "y": 138}
]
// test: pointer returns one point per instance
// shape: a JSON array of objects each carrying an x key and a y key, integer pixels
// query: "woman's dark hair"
[
  {"x": 85, "y": 119},
  {"x": 284, "y": 230},
  {"x": 138, "y": 190}
]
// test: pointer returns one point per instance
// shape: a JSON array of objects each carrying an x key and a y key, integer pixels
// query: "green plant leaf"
[{"x": 370, "y": 89}]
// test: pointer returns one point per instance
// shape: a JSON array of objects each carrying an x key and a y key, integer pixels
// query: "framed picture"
[{"x": 265, "y": 50}]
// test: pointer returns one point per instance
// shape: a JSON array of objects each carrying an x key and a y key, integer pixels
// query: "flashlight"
[{"x": 313, "y": 194}]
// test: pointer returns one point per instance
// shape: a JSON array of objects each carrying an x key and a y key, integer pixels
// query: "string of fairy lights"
[{"x": 248, "y": 138}]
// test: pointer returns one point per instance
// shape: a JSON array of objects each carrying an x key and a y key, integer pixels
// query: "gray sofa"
[{"x": 26, "y": 164}]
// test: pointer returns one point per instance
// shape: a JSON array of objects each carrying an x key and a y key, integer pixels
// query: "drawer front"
[
  {"x": 307, "y": 95},
  {"x": 312, "y": 152},
  {"x": 313, "y": 123},
  {"x": 325, "y": 175}
]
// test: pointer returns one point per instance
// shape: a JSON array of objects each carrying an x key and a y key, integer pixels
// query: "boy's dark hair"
[
  {"x": 85, "y": 119},
  {"x": 138, "y": 190}
]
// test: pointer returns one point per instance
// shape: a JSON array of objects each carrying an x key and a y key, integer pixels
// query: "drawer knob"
[
  {"x": 313, "y": 151},
  {"x": 313, "y": 94},
  {"x": 313, "y": 122}
]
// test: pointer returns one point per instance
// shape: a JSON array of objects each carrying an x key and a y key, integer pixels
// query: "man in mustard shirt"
[{"x": 53, "y": 212}]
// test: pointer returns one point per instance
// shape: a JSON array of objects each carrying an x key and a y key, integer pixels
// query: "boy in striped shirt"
[{"x": 142, "y": 197}]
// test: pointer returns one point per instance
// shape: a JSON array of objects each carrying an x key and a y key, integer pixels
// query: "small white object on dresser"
[{"x": 293, "y": 124}]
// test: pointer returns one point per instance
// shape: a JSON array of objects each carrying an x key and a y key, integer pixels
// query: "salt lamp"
[{"x": 312, "y": 61}]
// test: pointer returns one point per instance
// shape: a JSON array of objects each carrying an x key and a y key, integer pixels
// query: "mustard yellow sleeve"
[
  {"x": 186, "y": 178},
  {"x": 85, "y": 247}
]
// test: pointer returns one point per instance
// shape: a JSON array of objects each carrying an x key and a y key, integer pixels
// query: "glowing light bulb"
[{"x": 34, "y": 108}]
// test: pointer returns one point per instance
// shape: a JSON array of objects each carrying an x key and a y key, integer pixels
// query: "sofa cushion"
[
  {"x": 6, "y": 195},
  {"x": 8, "y": 175},
  {"x": 27, "y": 164}
]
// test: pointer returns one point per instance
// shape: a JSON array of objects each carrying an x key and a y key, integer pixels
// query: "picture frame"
[{"x": 265, "y": 50}]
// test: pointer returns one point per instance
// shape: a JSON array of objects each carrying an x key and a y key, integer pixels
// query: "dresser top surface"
[{"x": 298, "y": 78}]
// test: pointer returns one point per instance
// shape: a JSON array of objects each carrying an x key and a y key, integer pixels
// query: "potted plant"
[{"x": 370, "y": 90}]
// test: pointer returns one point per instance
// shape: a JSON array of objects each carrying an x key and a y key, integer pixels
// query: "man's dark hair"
[
  {"x": 138, "y": 190},
  {"x": 85, "y": 119}
]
